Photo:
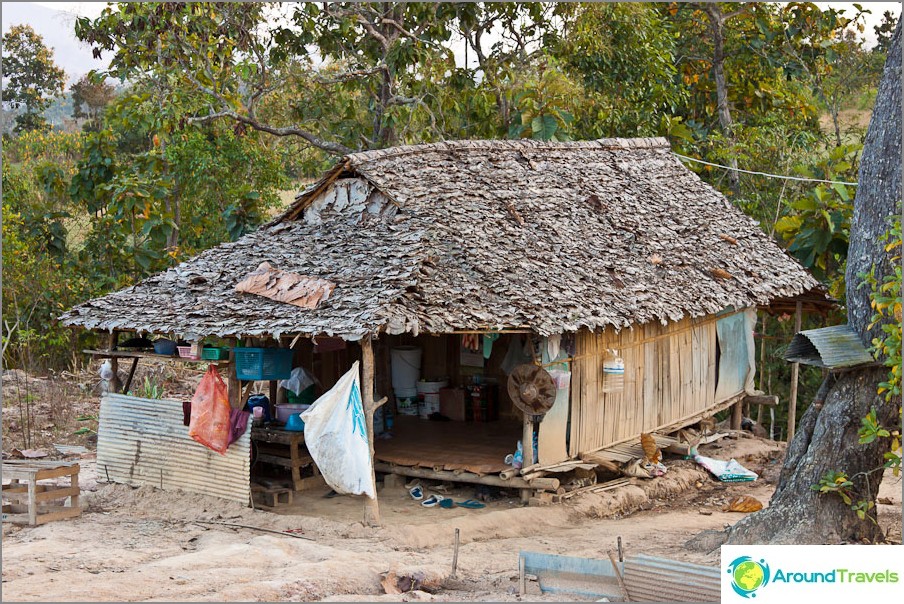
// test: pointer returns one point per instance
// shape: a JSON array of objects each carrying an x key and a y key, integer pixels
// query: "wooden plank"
[
  {"x": 40, "y": 473},
  {"x": 285, "y": 461},
  {"x": 125, "y": 354},
  {"x": 44, "y": 495}
]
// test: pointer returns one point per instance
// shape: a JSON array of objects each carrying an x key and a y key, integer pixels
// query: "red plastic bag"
[{"x": 209, "y": 423}]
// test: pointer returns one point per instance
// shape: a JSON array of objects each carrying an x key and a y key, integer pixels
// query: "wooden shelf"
[{"x": 126, "y": 354}]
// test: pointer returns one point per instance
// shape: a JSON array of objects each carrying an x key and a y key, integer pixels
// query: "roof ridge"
[{"x": 361, "y": 157}]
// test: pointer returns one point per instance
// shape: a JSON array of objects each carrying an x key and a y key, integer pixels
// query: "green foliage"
[
  {"x": 31, "y": 78},
  {"x": 625, "y": 54},
  {"x": 885, "y": 299},
  {"x": 541, "y": 107}
]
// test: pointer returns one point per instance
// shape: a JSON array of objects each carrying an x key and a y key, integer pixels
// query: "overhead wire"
[{"x": 786, "y": 177}]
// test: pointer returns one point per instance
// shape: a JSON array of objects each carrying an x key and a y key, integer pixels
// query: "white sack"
[{"x": 336, "y": 435}]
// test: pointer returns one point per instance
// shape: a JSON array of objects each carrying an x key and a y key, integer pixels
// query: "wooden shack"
[{"x": 591, "y": 254}]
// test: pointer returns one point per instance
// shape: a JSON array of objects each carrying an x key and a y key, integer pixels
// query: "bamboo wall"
[{"x": 670, "y": 375}]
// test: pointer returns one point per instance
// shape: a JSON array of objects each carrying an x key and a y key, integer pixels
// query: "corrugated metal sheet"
[
  {"x": 587, "y": 577},
  {"x": 652, "y": 579},
  {"x": 831, "y": 347},
  {"x": 143, "y": 442}
]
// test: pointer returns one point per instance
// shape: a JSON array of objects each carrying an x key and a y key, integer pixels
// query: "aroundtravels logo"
[{"x": 748, "y": 575}]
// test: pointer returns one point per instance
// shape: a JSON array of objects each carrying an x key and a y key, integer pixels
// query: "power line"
[{"x": 831, "y": 182}]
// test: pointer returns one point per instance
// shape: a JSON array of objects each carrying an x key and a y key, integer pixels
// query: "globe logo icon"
[{"x": 748, "y": 575}]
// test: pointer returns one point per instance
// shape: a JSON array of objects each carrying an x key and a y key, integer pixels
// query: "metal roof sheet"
[{"x": 833, "y": 347}]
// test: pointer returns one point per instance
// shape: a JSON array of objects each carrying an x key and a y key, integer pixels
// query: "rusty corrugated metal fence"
[
  {"x": 144, "y": 442},
  {"x": 652, "y": 579}
]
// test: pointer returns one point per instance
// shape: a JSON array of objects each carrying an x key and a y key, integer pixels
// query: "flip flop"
[
  {"x": 470, "y": 504},
  {"x": 416, "y": 492},
  {"x": 447, "y": 503},
  {"x": 413, "y": 483},
  {"x": 432, "y": 501}
]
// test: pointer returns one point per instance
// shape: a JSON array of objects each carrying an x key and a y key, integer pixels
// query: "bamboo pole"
[
  {"x": 795, "y": 369},
  {"x": 371, "y": 506}
]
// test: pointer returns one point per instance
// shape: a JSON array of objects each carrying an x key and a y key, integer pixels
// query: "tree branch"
[{"x": 316, "y": 141}]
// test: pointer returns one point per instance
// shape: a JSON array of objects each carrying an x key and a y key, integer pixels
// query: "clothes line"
[{"x": 785, "y": 177}]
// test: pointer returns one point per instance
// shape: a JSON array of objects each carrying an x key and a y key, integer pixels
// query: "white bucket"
[
  {"x": 406, "y": 367},
  {"x": 430, "y": 397},
  {"x": 425, "y": 408},
  {"x": 407, "y": 406},
  {"x": 430, "y": 387},
  {"x": 406, "y": 393}
]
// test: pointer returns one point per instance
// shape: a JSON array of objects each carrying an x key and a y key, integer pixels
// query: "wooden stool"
[
  {"x": 273, "y": 497},
  {"x": 41, "y": 503}
]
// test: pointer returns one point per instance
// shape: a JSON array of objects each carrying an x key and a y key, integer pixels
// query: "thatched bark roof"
[{"x": 479, "y": 235}]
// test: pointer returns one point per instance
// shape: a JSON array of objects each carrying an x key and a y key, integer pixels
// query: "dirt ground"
[{"x": 145, "y": 544}]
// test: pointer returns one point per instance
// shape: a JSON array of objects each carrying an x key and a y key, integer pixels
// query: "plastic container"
[
  {"x": 430, "y": 387},
  {"x": 164, "y": 346},
  {"x": 406, "y": 367},
  {"x": 284, "y": 411},
  {"x": 214, "y": 353},
  {"x": 305, "y": 397},
  {"x": 263, "y": 363},
  {"x": 406, "y": 392},
  {"x": 259, "y": 401},
  {"x": 185, "y": 353},
  {"x": 295, "y": 423},
  {"x": 407, "y": 406},
  {"x": 425, "y": 408}
]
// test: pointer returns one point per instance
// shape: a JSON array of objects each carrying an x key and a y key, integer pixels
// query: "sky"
[{"x": 75, "y": 58}]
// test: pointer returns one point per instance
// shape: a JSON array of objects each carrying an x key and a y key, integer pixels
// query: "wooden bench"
[
  {"x": 285, "y": 448},
  {"x": 43, "y": 502}
]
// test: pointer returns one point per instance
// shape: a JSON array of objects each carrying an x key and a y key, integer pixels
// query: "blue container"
[
  {"x": 263, "y": 363},
  {"x": 259, "y": 400}
]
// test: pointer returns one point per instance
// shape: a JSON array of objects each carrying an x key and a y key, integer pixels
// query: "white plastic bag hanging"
[
  {"x": 336, "y": 436},
  {"x": 297, "y": 382}
]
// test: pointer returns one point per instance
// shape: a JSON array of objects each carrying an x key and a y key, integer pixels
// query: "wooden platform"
[
  {"x": 455, "y": 446},
  {"x": 42, "y": 502}
]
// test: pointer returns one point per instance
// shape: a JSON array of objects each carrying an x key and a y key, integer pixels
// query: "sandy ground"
[{"x": 145, "y": 544}]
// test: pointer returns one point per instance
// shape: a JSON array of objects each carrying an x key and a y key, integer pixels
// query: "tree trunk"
[
  {"x": 716, "y": 21},
  {"x": 827, "y": 439}
]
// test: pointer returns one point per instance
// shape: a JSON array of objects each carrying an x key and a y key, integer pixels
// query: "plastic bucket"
[
  {"x": 406, "y": 367},
  {"x": 425, "y": 408},
  {"x": 430, "y": 387},
  {"x": 406, "y": 393},
  {"x": 407, "y": 406}
]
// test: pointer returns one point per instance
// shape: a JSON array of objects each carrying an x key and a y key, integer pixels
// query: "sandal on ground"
[
  {"x": 447, "y": 503},
  {"x": 471, "y": 504},
  {"x": 416, "y": 492},
  {"x": 432, "y": 501}
]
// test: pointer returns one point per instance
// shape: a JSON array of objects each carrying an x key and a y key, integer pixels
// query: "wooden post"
[
  {"x": 527, "y": 451},
  {"x": 759, "y": 410},
  {"x": 233, "y": 384},
  {"x": 115, "y": 384},
  {"x": 371, "y": 506},
  {"x": 737, "y": 411},
  {"x": 795, "y": 369}
]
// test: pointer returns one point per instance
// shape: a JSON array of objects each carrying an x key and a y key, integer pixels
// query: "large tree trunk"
[{"x": 827, "y": 439}]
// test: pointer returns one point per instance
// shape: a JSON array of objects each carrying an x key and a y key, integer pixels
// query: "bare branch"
[{"x": 316, "y": 141}]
